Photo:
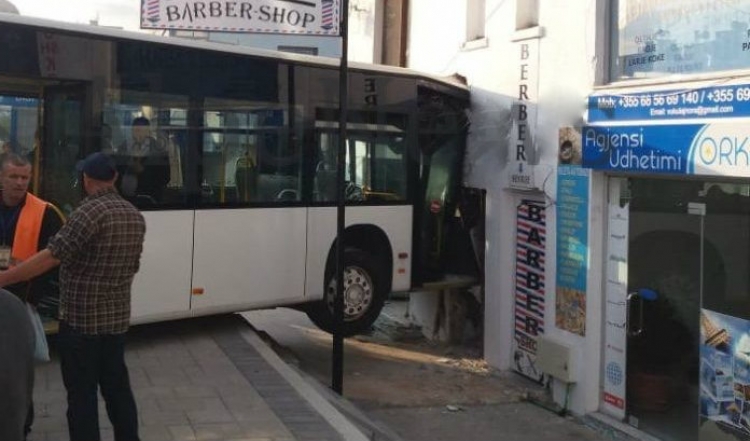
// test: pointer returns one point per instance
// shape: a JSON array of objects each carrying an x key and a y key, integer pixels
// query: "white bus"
[{"x": 230, "y": 154}]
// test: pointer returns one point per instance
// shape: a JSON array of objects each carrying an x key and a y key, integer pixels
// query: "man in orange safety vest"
[{"x": 26, "y": 225}]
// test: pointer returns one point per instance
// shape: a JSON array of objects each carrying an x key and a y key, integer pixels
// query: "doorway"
[{"x": 688, "y": 253}]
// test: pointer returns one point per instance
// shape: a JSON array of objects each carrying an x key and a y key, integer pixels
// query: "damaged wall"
[{"x": 567, "y": 67}]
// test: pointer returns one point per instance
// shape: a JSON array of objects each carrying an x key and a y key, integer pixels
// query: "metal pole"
[{"x": 337, "y": 371}]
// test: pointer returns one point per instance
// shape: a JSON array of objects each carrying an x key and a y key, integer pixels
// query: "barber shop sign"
[
  {"x": 315, "y": 17},
  {"x": 531, "y": 243}
]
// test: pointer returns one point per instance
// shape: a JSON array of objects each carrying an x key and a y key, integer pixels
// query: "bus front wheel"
[{"x": 364, "y": 295}]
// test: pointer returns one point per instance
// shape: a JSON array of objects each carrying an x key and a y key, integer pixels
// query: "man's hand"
[
  {"x": 34, "y": 266},
  {"x": 3, "y": 277}
]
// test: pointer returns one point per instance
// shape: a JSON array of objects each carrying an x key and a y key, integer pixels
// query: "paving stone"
[
  {"x": 195, "y": 391},
  {"x": 193, "y": 381},
  {"x": 154, "y": 433},
  {"x": 164, "y": 418},
  {"x": 182, "y": 433}
]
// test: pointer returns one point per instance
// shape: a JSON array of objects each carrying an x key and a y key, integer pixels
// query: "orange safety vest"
[{"x": 28, "y": 228}]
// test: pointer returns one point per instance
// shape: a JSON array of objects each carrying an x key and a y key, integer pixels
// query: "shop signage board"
[
  {"x": 298, "y": 17},
  {"x": 616, "y": 294},
  {"x": 531, "y": 232},
  {"x": 716, "y": 149},
  {"x": 572, "y": 248},
  {"x": 702, "y": 102},
  {"x": 524, "y": 116}
]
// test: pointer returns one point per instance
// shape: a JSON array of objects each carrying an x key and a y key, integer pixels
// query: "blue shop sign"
[
  {"x": 15, "y": 101},
  {"x": 716, "y": 149},
  {"x": 703, "y": 102}
]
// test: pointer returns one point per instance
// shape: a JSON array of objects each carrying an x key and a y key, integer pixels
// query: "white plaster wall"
[
  {"x": 365, "y": 30},
  {"x": 568, "y": 70}
]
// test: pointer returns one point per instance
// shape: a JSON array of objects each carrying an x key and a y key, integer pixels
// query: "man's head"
[
  {"x": 15, "y": 176},
  {"x": 98, "y": 172},
  {"x": 140, "y": 128}
]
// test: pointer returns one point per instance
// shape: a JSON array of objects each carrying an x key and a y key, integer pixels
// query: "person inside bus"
[
  {"x": 143, "y": 165},
  {"x": 26, "y": 225}
]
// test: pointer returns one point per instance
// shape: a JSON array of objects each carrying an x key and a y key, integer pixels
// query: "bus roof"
[{"x": 113, "y": 33}]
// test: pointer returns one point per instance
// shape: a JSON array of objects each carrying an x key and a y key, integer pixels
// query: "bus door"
[
  {"x": 63, "y": 142},
  {"x": 442, "y": 244}
]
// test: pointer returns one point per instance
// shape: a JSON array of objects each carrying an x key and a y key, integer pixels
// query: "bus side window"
[
  {"x": 279, "y": 164},
  {"x": 143, "y": 165}
]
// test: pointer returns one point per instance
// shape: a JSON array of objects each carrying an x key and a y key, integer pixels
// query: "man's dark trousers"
[{"x": 88, "y": 361}]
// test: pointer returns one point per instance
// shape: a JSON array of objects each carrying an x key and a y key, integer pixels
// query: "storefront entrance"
[{"x": 679, "y": 280}]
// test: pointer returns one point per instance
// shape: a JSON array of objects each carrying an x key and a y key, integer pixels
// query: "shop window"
[{"x": 653, "y": 39}]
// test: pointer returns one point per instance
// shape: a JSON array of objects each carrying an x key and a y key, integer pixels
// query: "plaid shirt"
[{"x": 99, "y": 249}]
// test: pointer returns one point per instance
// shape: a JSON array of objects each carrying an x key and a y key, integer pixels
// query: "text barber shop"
[{"x": 677, "y": 283}]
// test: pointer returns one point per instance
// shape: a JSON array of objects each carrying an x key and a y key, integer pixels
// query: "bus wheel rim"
[{"x": 358, "y": 293}]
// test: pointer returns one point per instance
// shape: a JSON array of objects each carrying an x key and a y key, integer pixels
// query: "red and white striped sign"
[{"x": 531, "y": 240}]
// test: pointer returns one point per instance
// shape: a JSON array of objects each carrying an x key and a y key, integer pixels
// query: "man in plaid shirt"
[{"x": 99, "y": 252}]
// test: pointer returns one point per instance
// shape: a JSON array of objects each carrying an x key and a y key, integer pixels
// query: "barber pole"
[
  {"x": 152, "y": 10},
  {"x": 326, "y": 14}
]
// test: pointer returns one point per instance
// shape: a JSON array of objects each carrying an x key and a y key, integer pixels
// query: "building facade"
[{"x": 611, "y": 139}]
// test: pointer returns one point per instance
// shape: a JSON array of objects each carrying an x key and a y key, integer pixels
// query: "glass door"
[
  {"x": 665, "y": 261},
  {"x": 678, "y": 308},
  {"x": 725, "y": 314}
]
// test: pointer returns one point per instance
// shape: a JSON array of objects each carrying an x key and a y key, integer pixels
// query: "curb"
[
  {"x": 336, "y": 419},
  {"x": 375, "y": 431}
]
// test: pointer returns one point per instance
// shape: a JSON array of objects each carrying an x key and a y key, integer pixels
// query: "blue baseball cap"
[{"x": 99, "y": 166}]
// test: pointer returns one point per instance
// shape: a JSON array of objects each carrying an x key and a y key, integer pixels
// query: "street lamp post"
[{"x": 337, "y": 371}]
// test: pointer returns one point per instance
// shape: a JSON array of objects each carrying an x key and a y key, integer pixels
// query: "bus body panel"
[
  {"x": 248, "y": 257},
  {"x": 247, "y": 216},
  {"x": 162, "y": 285},
  {"x": 394, "y": 221}
]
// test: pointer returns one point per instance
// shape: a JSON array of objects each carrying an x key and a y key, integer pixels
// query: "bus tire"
[{"x": 364, "y": 294}]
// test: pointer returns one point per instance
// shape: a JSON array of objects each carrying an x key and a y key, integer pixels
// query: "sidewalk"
[{"x": 204, "y": 379}]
